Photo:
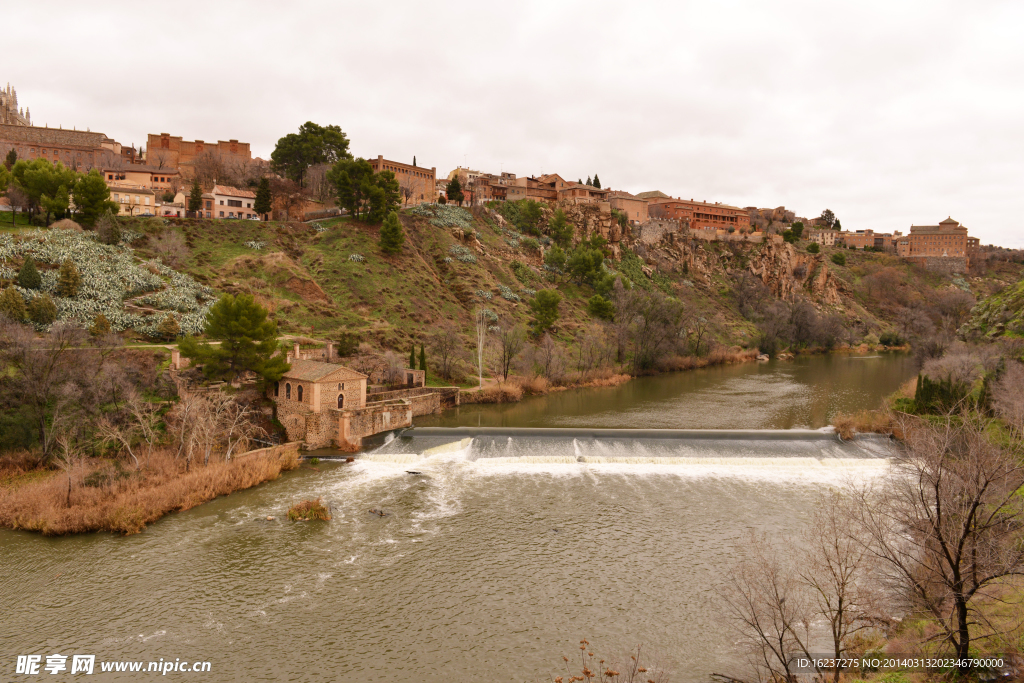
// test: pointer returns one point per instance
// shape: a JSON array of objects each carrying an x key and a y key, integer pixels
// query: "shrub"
[
  {"x": 308, "y": 510},
  {"x": 69, "y": 279},
  {"x": 813, "y": 248},
  {"x": 530, "y": 244},
  {"x": 168, "y": 330},
  {"x": 100, "y": 326},
  {"x": 28, "y": 276},
  {"x": 891, "y": 339},
  {"x": 521, "y": 271},
  {"x": 12, "y": 305},
  {"x": 42, "y": 310},
  {"x": 839, "y": 258}
]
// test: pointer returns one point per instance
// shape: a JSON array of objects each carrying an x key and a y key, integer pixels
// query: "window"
[
  {"x": 277, "y": 388},
  {"x": 222, "y": 202},
  {"x": 341, "y": 401},
  {"x": 110, "y": 176},
  {"x": 209, "y": 205},
  {"x": 234, "y": 202},
  {"x": 298, "y": 393},
  {"x": 222, "y": 214},
  {"x": 288, "y": 390}
]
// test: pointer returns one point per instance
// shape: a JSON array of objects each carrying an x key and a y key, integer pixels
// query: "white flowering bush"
[
  {"x": 484, "y": 294},
  {"x": 129, "y": 236},
  {"x": 255, "y": 244},
  {"x": 462, "y": 253},
  {"x": 318, "y": 227},
  {"x": 445, "y": 215},
  {"x": 111, "y": 277},
  {"x": 448, "y": 259},
  {"x": 530, "y": 292},
  {"x": 358, "y": 258},
  {"x": 490, "y": 316},
  {"x": 508, "y": 294}
]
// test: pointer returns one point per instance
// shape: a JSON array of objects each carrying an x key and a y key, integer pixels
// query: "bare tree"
[
  {"x": 161, "y": 158},
  {"x": 1008, "y": 398},
  {"x": 481, "y": 338},
  {"x": 170, "y": 246},
  {"x": 511, "y": 339},
  {"x": 954, "y": 306},
  {"x": 136, "y": 430},
  {"x": 446, "y": 345},
  {"x": 592, "y": 349},
  {"x": 318, "y": 184},
  {"x": 771, "y": 609},
  {"x": 394, "y": 365},
  {"x": 945, "y": 528},
  {"x": 46, "y": 376}
]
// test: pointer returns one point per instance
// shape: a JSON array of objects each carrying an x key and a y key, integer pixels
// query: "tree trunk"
[{"x": 963, "y": 645}]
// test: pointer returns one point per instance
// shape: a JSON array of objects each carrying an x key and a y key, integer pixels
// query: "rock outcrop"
[
  {"x": 788, "y": 273},
  {"x": 998, "y": 315}
]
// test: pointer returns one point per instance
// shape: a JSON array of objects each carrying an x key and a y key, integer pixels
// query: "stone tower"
[{"x": 10, "y": 114}]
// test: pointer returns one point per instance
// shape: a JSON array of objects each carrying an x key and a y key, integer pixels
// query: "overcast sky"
[{"x": 888, "y": 113}]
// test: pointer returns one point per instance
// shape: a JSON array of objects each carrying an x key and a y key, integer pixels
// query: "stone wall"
[
  {"x": 278, "y": 451},
  {"x": 376, "y": 418},
  {"x": 655, "y": 229},
  {"x": 950, "y": 265}
]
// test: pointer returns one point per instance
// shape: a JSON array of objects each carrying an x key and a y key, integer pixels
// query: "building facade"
[
  {"x": 134, "y": 201},
  {"x": 77, "y": 149},
  {"x": 948, "y": 239},
  {"x": 171, "y": 151},
  {"x": 826, "y": 238},
  {"x": 141, "y": 176},
  {"x": 231, "y": 202},
  {"x": 698, "y": 215},
  {"x": 634, "y": 207},
  {"x": 416, "y": 184}
]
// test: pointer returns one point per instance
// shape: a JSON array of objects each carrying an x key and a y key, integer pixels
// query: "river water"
[{"x": 495, "y": 559}]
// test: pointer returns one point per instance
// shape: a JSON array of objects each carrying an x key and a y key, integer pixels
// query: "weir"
[{"x": 742, "y": 449}]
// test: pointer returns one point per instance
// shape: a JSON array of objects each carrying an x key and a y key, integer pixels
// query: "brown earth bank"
[{"x": 101, "y": 495}]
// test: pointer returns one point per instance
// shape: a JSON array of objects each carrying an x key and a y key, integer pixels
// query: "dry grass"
[
  {"x": 718, "y": 356},
  {"x": 864, "y": 422},
  {"x": 125, "y": 502},
  {"x": 308, "y": 510}
]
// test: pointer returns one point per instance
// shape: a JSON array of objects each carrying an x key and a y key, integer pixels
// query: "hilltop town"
[{"x": 532, "y": 282}]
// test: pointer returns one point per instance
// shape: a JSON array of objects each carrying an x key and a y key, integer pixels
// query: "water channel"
[{"x": 496, "y": 558}]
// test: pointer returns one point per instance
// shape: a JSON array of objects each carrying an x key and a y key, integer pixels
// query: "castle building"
[
  {"x": 9, "y": 112},
  {"x": 415, "y": 183},
  {"x": 171, "y": 151}
]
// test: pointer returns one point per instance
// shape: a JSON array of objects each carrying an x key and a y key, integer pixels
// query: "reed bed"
[{"x": 109, "y": 498}]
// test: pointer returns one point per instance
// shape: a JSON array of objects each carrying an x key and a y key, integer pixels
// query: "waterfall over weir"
[{"x": 789, "y": 453}]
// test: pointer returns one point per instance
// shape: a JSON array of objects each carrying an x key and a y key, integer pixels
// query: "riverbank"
[
  {"x": 516, "y": 388},
  {"x": 101, "y": 495}
]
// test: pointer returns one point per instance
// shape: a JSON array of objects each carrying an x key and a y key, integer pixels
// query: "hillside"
[
  {"x": 323, "y": 280},
  {"x": 1001, "y": 314}
]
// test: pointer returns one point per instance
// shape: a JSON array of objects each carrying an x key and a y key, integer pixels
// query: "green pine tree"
[
  {"x": 248, "y": 341},
  {"x": 412, "y": 357},
  {"x": 69, "y": 279},
  {"x": 28, "y": 276},
  {"x": 12, "y": 305},
  {"x": 392, "y": 237},
  {"x": 263, "y": 203},
  {"x": 588, "y": 180},
  {"x": 195, "y": 197},
  {"x": 12, "y": 158},
  {"x": 423, "y": 359},
  {"x": 414, "y": 160},
  {"x": 597, "y": 182}
]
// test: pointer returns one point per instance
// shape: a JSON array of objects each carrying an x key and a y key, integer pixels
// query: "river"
[{"x": 495, "y": 560}]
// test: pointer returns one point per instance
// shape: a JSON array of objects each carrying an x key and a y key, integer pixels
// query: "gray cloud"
[{"x": 887, "y": 113}]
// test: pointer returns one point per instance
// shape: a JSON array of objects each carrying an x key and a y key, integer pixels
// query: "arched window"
[
  {"x": 288, "y": 390},
  {"x": 277, "y": 389},
  {"x": 298, "y": 394},
  {"x": 341, "y": 401}
]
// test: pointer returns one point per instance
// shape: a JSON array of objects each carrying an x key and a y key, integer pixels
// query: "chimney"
[
  {"x": 330, "y": 351},
  {"x": 296, "y": 351}
]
